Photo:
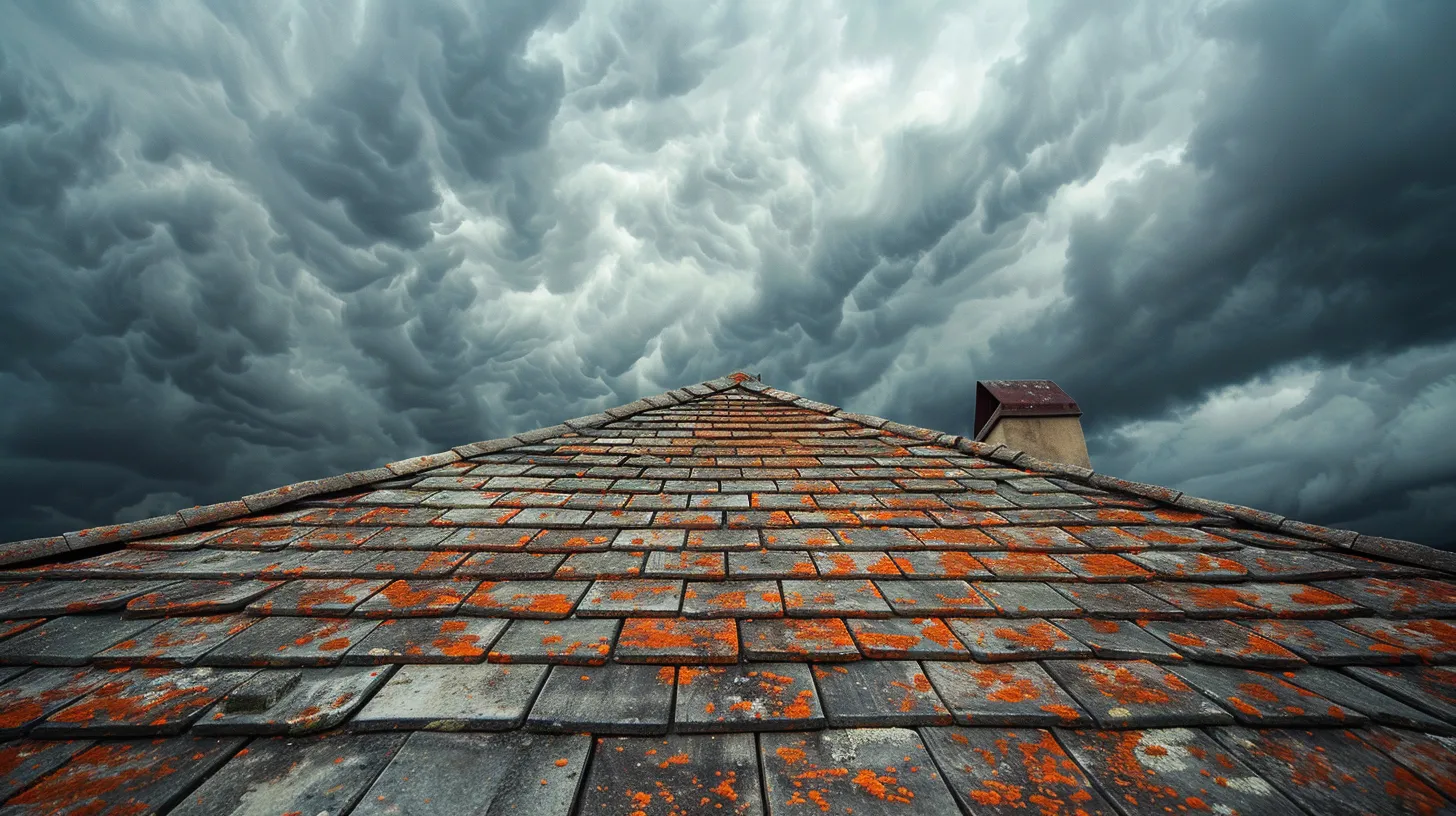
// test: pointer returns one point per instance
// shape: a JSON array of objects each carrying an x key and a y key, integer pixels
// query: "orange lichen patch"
[
  {"x": 1217, "y": 597},
  {"x": 951, "y": 537},
  {"x": 1314, "y": 596},
  {"x": 809, "y": 635},
  {"x": 1190, "y": 641},
  {"x": 1096, "y": 566},
  {"x": 1039, "y": 636},
  {"x": 673, "y": 639},
  {"x": 149, "y": 696},
  {"x": 1022, "y": 564},
  {"x": 1104, "y": 627},
  {"x": 1120, "y": 684},
  {"x": 911, "y": 502},
  {"x": 316, "y": 594},
  {"x": 882, "y": 786},
  {"x": 426, "y": 596}
]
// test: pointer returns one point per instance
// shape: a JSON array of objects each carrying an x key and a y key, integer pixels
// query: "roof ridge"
[
  {"x": 1393, "y": 549},
  {"x": 192, "y": 517}
]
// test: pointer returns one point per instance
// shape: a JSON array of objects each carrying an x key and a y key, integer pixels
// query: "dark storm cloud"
[{"x": 247, "y": 246}]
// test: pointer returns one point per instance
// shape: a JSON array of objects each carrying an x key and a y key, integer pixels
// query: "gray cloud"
[{"x": 244, "y": 247}]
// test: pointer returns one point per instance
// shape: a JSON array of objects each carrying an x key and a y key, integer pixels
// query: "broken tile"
[
  {"x": 482, "y": 697},
  {"x": 1326, "y": 643},
  {"x": 818, "y": 639},
  {"x": 1429, "y": 641},
  {"x": 678, "y": 774},
  {"x": 292, "y": 701},
  {"x": 926, "y": 598},
  {"x": 638, "y": 597},
  {"x": 133, "y": 776},
  {"x": 1223, "y": 642},
  {"x": 402, "y": 599},
  {"x": 1351, "y": 693},
  {"x": 174, "y": 641},
  {"x": 907, "y": 639},
  {"x": 866, "y": 771},
  {"x": 524, "y": 599},
  {"x": 616, "y": 698},
  {"x": 329, "y": 597},
  {"x": 508, "y": 565},
  {"x": 290, "y": 642},
  {"x": 1135, "y": 694},
  {"x": 1173, "y": 770},
  {"x": 771, "y": 564},
  {"x": 825, "y": 598},
  {"x": 142, "y": 702},
  {"x": 43, "y": 599},
  {"x": 1264, "y": 700},
  {"x": 767, "y": 696},
  {"x": 1007, "y": 694},
  {"x": 1000, "y": 640},
  {"x": 1119, "y": 640},
  {"x": 1026, "y": 599},
  {"x": 69, "y": 641},
  {"x": 1118, "y": 602},
  {"x": 878, "y": 692},
  {"x": 732, "y": 599},
  {"x": 1429, "y": 688},
  {"x": 517, "y": 772},
  {"x": 197, "y": 598},
  {"x": 283, "y": 775},
  {"x": 35, "y": 695},
  {"x": 426, "y": 640},
  {"x": 994, "y": 770},
  {"x": 574, "y": 641},
  {"x": 1331, "y": 771},
  {"x": 677, "y": 640},
  {"x": 24, "y": 761}
]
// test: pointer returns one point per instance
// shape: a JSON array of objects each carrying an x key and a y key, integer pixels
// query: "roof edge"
[
  {"x": 34, "y": 549},
  {"x": 1390, "y": 549}
]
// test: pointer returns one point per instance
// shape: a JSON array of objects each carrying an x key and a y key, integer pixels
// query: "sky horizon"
[{"x": 247, "y": 245}]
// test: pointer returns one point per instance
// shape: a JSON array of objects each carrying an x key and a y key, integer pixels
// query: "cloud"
[{"x": 248, "y": 246}]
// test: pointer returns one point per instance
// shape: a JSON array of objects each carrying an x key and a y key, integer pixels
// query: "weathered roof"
[{"x": 726, "y": 599}]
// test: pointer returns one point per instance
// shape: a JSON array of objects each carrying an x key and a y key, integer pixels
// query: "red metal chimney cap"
[{"x": 1023, "y": 398}]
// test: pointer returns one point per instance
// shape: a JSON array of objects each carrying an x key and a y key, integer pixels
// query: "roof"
[{"x": 726, "y": 599}]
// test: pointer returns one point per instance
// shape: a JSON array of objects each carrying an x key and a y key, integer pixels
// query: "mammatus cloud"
[{"x": 243, "y": 247}]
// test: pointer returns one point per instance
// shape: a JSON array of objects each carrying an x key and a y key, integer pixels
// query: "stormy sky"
[{"x": 244, "y": 244}]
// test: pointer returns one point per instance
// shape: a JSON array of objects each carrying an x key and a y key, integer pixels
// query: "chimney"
[{"x": 1034, "y": 416}]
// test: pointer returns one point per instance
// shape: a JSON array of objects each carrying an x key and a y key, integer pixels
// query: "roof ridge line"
[
  {"x": 188, "y": 518},
  {"x": 1393, "y": 549}
]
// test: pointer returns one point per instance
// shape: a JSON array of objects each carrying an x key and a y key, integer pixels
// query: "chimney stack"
[{"x": 1033, "y": 416}]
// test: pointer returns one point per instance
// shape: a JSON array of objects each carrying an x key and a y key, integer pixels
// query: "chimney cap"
[{"x": 1019, "y": 398}]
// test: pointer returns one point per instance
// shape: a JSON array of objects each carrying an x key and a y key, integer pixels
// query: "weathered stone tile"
[
  {"x": 517, "y": 772},
  {"x": 35, "y": 695},
  {"x": 403, "y": 516},
  {"x": 1043, "y": 539},
  {"x": 197, "y": 598},
  {"x": 1023, "y": 566},
  {"x": 427, "y": 640},
  {"x": 1223, "y": 642},
  {"x": 1433, "y": 758},
  {"x": 658, "y": 501},
  {"x": 768, "y": 696},
  {"x": 1135, "y": 694},
  {"x": 599, "y": 501},
  {"x": 686, "y": 564},
  {"x": 996, "y": 770},
  {"x": 291, "y": 642},
  {"x": 488, "y": 516},
  {"x": 181, "y": 541},
  {"x": 285, "y": 775},
  {"x": 677, "y": 640},
  {"x": 336, "y": 538},
  {"x": 1429, "y": 688},
  {"x": 406, "y": 564},
  {"x": 802, "y": 538},
  {"x": 1119, "y": 640},
  {"x": 1351, "y": 693},
  {"x": 1399, "y": 597},
  {"x": 574, "y": 641},
  {"x": 43, "y": 599},
  {"x": 1288, "y": 565},
  {"x": 1008, "y": 694},
  {"x": 878, "y": 539},
  {"x": 771, "y": 564},
  {"x": 756, "y": 519},
  {"x": 174, "y": 641},
  {"x": 1264, "y": 700},
  {"x": 291, "y": 701},
  {"x": 732, "y": 599},
  {"x": 1253, "y": 600},
  {"x": 671, "y": 776},
  {"x": 640, "y": 597},
  {"x": 907, "y": 639},
  {"x": 24, "y": 761},
  {"x": 483, "y": 697},
  {"x": 616, "y": 698},
  {"x": 824, "y": 598},
  {"x": 1197, "y": 566},
  {"x": 407, "y": 538},
  {"x": 860, "y": 564},
  {"x": 1331, "y": 771},
  {"x": 999, "y": 640},
  {"x": 1327, "y": 643},
  {"x": 818, "y": 639},
  {"x": 571, "y": 541},
  {"x": 1428, "y": 641},
  {"x": 1118, "y": 602},
  {"x": 956, "y": 538},
  {"x": 407, "y": 599},
  {"x": 489, "y": 539},
  {"x": 524, "y": 599},
  {"x": 939, "y": 564},
  {"x": 925, "y": 598},
  {"x": 1102, "y": 567},
  {"x": 1173, "y": 770},
  {"x": 509, "y": 565},
  {"x": 132, "y": 776},
  {"x": 1027, "y": 599},
  {"x": 335, "y": 597},
  {"x": 866, "y": 771},
  {"x": 594, "y": 565},
  {"x": 722, "y": 539},
  {"x": 258, "y": 538},
  {"x": 123, "y": 565},
  {"x": 68, "y": 641},
  {"x": 878, "y": 692},
  {"x": 142, "y": 702}
]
